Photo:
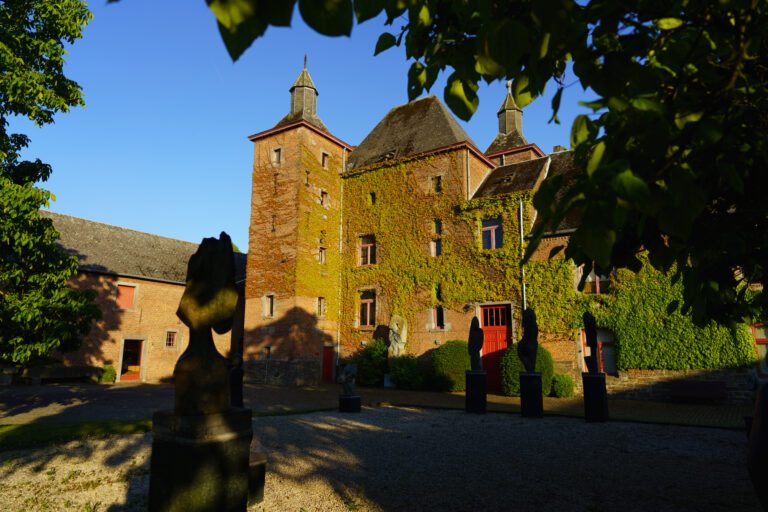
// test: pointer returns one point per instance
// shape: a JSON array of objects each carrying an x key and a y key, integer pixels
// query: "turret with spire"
[
  {"x": 303, "y": 101},
  {"x": 510, "y": 125}
]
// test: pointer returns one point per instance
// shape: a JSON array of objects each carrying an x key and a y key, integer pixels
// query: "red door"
[
  {"x": 495, "y": 324},
  {"x": 328, "y": 364}
]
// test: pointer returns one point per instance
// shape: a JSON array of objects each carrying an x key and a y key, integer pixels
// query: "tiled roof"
[
  {"x": 516, "y": 177},
  {"x": 504, "y": 141},
  {"x": 410, "y": 129},
  {"x": 111, "y": 249},
  {"x": 562, "y": 163}
]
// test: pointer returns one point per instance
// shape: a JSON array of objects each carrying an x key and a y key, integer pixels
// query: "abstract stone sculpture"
[
  {"x": 398, "y": 335},
  {"x": 529, "y": 345},
  {"x": 200, "y": 450},
  {"x": 590, "y": 331},
  {"x": 475, "y": 343},
  {"x": 347, "y": 379}
]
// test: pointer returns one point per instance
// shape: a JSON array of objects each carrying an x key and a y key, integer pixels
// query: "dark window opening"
[{"x": 493, "y": 234}]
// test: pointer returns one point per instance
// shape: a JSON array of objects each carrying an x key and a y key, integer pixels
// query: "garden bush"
[
  {"x": 371, "y": 363},
  {"x": 450, "y": 361},
  {"x": 511, "y": 366},
  {"x": 562, "y": 385},
  {"x": 109, "y": 375},
  {"x": 406, "y": 372}
]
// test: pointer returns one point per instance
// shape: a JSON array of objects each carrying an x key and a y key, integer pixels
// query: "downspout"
[
  {"x": 341, "y": 247},
  {"x": 522, "y": 253},
  {"x": 466, "y": 154}
]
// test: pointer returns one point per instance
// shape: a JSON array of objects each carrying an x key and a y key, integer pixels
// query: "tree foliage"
[
  {"x": 674, "y": 153},
  {"x": 39, "y": 313}
]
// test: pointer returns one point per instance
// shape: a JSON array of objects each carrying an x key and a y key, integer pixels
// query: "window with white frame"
[
  {"x": 171, "y": 339},
  {"x": 321, "y": 307},
  {"x": 492, "y": 234},
  {"x": 367, "y": 250}
]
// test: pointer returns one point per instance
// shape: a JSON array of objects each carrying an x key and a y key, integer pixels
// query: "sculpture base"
[
  {"x": 757, "y": 449},
  {"x": 531, "y": 398},
  {"x": 200, "y": 463},
  {"x": 257, "y": 474},
  {"x": 476, "y": 397},
  {"x": 349, "y": 403},
  {"x": 595, "y": 397},
  {"x": 388, "y": 382}
]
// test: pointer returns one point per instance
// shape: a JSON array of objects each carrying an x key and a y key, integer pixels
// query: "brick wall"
[{"x": 153, "y": 314}]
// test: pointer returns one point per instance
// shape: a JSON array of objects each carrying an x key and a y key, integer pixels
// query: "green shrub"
[
  {"x": 562, "y": 385},
  {"x": 450, "y": 361},
  {"x": 109, "y": 375},
  {"x": 511, "y": 366},
  {"x": 371, "y": 364},
  {"x": 405, "y": 372}
]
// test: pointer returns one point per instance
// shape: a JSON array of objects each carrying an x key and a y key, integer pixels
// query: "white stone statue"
[{"x": 398, "y": 335}]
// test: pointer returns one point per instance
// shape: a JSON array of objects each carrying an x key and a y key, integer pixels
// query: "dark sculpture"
[
  {"x": 529, "y": 345},
  {"x": 590, "y": 331},
  {"x": 347, "y": 379},
  {"x": 475, "y": 345}
]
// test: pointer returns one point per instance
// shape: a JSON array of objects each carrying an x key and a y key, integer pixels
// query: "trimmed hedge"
[
  {"x": 450, "y": 361},
  {"x": 371, "y": 364},
  {"x": 562, "y": 385},
  {"x": 405, "y": 372},
  {"x": 511, "y": 366}
]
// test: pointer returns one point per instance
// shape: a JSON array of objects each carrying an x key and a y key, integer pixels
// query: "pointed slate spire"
[
  {"x": 304, "y": 95},
  {"x": 510, "y": 115}
]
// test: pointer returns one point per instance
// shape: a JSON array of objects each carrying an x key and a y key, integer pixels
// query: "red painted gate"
[
  {"x": 495, "y": 324},
  {"x": 328, "y": 364}
]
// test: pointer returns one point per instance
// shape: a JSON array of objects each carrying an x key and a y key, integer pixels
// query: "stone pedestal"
[
  {"x": 531, "y": 398},
  {"x": 757, "y": 450},
  {"x": 257, "y": 473},
  {"x": 200, "y": 463},
  {"x": 349, "y": 403},
  {"x": 595, "y": 397},
  {"x": 388, "y": 382},
  {"x": 476, "y": 397}
]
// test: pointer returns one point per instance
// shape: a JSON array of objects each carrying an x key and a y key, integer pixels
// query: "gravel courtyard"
[{"x": 404, "y": 459}]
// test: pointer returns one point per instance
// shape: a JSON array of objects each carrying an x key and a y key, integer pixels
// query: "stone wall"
[
  {"x": 656, "y": 384},
  {"x": 282, "y": 372}
]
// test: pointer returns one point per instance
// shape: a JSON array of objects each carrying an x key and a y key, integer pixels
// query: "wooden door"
[
  {"x": 496, "y": 333},
  {"x": 328, "y": 365}
]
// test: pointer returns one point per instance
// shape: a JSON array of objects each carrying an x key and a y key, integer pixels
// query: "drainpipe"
[
  {"x": 522, "y": 253},
  {"x": 466, "y": 154},
  {"x": 341, "y": 247}
]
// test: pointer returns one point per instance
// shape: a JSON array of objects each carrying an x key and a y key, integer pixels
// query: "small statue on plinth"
[
  {"x": 398, "y": 335},
  {"x": 529, "y": 345},
  {"x": 349, "y": 400},
  {"x": 475, "y": 342},
  {"x": 590, "y": 332}
]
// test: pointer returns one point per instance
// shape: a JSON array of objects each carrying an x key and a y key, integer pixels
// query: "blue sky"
[{"x": 162, "y": 144}]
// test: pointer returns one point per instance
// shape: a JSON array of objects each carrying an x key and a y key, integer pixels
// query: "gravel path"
[{"x": 399, "y": 459}]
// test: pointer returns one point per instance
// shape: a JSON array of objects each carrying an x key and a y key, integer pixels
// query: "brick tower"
[{"x": 292, "y": 286}]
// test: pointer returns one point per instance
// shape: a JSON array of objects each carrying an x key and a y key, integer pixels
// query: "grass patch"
[{"x": 16, "y": 437}]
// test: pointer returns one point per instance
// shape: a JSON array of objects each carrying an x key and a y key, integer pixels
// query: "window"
[
  {"x": 437, "y": 227},
  {"x": 324, "y": 201},
  {"x": 760, "y": 333},
  {"x": 438, "y": 317},
  {"x": 367, "y": 308},
  {"x": 321, "y": 255},
  {"x": 325, "y": 159},
  {"x": 277, "y": 155},
  {"x": 606, "y": 353},
  {"x": 437, "y": 184},
  {"x": 367, "y": 250},
  {"x": 321, "y": 307},
  {"x": 269, "y": 305},
  {"x": 371, "y": 198},
  {"x": 597, "y": 283},
  {"x": 274, "y": 222},
  {"x": 126, "y": 296},
  {"x": 170, "y": 339},
  {"x": 436, "y": 247},
  {"x": 493, "y": 235}
]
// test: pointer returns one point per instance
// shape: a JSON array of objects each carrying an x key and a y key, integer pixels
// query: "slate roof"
[
  {"x": 504, "y": 141},
  {"x": 312, "y": 119},
  {"x": 410, "y": 129},
  {"x": 516, "y": 177},
  {"x": 108, "y": 249},
  {"x": 562, "y": 163}
]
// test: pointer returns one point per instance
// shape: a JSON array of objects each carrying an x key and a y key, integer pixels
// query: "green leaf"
[
  {"x": 417, "y": 79},
  {"x": 629, "y": 186},
  {"x": 544, "y": 46},
  {"x": 486, "y": 66},
  {"x": 682, "y": 119},
  {"x": 424, "y": 17},
  {"x": 595, "y": 158},
  {"x": 669, "y": 23},
  {"x": 385, "y": 42},
  {"x": 596, "y": 242},
  {"x": 328, "y": 17},
  {"x": 521, "y": 91},
  {"x": 367, "y": 9},
  {"x": 238, "y": 40},
  {"x": 556, "y": 105},
  {"x": 461, "y": 96},
  {"x": 233, "y": 13},
  {"x": 579, "y": 130}
]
